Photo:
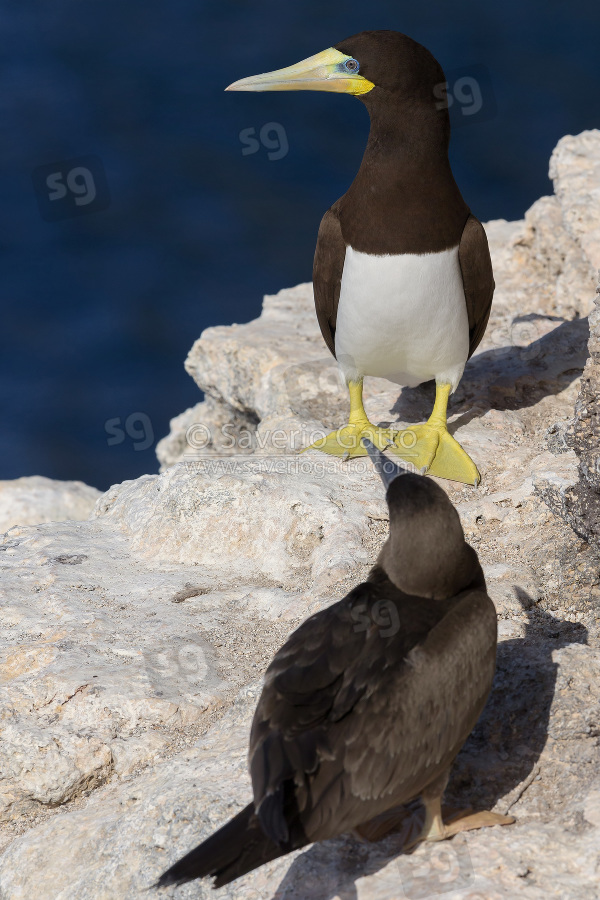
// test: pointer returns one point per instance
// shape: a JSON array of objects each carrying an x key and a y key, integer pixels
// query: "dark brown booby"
[
  {"x": 402, "y": 274},
  {"x": 367, "y": 704}
]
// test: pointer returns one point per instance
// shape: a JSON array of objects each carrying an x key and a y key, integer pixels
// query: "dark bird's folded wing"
[
  {"x": 353, "y": 721},
  {"x": 328, "y": 266},
  {"x": 478, "y": 279}
]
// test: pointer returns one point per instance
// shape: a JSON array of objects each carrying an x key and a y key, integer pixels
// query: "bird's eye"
[{"x": 352, "y": 65}]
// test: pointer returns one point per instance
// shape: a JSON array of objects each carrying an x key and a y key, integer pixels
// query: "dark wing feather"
[
  {"x": 478, "y": 279},
  {"x": 418, "y": 728},
  {"x": 328, "y": 266},
  {"x": 353, "y": 723}
]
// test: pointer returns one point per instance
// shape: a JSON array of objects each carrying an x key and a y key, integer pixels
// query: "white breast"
[{"x": 402, "y": 317}]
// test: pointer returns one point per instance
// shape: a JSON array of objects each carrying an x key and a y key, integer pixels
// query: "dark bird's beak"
[
  {"x": 387, "y": 469},
  {"x": 326, "y": 71}
]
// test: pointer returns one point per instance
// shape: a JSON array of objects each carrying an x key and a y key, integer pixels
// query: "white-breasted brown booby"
[
  {"x": 402, "y": 273},
  {"x": 369, "y": 701}
]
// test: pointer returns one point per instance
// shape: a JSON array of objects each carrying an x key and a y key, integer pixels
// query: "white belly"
[{"x": 402, "y": 317}]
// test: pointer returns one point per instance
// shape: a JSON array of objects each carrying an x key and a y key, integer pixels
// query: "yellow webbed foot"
[
  {"x": 432, "y": 449},
  {"x": 429, "y": 447},
  {"x": 346, "y": 441},
  {"x": 453, "y": 463}
]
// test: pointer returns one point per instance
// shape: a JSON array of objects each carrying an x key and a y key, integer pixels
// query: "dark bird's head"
[
  {"x": 377, "y": 66},
  {"x": 426, "y": 553}
]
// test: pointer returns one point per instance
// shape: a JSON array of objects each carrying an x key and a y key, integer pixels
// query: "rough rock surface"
[
  {"x": 575, "y": 166},
  {"x": 577, "y": 499},
  {"x": 132, "y": 644},
  {"x": 34, "y": 499},
  {"x": 250, "y": 522}
]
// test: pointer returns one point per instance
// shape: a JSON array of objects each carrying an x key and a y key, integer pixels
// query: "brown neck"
[
  {"x": 453, "y": 570},
  {"x": 404, "y": 198}
]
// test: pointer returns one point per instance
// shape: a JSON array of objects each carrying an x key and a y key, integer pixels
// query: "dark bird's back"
[{"x": 365, "y": 705}]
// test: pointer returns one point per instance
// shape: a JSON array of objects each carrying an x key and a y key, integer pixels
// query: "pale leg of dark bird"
[
  {"x": 434, "y": 828},
  {"x": 470, "y": 821},
  {"x": 406, "y": 822}
]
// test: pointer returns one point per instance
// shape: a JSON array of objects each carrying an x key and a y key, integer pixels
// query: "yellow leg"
[
  {"x": 346, "y": 442},
  {"x": 431, "y": 447}
]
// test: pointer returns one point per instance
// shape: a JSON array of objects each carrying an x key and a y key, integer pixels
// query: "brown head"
[
  {"x": 377, "y": 66},
  {"x": 404, "y": 197},
  {"x": 426, "y": 553}
]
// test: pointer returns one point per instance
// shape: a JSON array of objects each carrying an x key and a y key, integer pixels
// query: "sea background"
[{"x": 215, "y": 199}]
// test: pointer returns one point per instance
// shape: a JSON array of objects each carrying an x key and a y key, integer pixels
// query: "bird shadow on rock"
[
  {"x": 509, "y": 377},
  {"x": 507, "y": 742},
  {"x": 498, "y": 757}
]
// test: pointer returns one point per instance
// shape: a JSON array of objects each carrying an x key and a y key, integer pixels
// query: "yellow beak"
[{"x": 323, "y": 72}]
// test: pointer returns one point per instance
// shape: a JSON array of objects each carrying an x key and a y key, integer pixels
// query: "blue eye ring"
[{"x": 352, "y": 66}]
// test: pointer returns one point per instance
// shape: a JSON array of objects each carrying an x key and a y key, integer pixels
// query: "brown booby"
[
  {"x": 402, "y": 275},
  {"x": 369, "y": 701}
]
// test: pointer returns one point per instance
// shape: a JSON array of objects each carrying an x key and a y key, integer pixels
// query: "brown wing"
[
  {"x": 328, "y": 266},
  {"x": 353, "y": 720},
  {"x": 478, "y": 279}
]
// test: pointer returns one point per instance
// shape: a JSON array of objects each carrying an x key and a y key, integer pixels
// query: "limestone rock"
[
  {"x": 251, "y": 519},
  {"x": 575, "y": 171},
  {"x": 34, "y": 499},
  {"x": 131, "y": 830},
  {"x": 579, "y": 500},
  {"x": 209, "y": 428},
  {"x": 131, "y": 643},
  {"x": 104, "y": 659}
]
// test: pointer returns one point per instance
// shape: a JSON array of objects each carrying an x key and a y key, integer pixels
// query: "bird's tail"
[{"x": 235, "y": 849}]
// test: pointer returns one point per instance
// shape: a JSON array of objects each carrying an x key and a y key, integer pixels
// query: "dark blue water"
[{"x": 99, "y": 308}]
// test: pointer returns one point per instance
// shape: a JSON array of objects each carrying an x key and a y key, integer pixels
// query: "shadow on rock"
[
  {"x": 501, "y": 752},
  {"x": 511, "y": 734},
  {"x": 509, "y": 377}
]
